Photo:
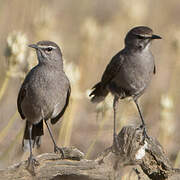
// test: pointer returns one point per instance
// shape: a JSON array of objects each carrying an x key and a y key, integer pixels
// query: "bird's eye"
[{"x": 49, "y": 49}]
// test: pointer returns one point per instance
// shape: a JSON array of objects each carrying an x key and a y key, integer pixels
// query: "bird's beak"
[
  {"x": 33, "y": 46},
  {"x": 156, "y": 37}
]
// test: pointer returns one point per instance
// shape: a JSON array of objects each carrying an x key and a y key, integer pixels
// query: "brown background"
[{"x": 89, "y": 34}]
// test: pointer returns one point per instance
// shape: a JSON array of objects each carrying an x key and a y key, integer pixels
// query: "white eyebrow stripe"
[
  {"x": 145, "y": 35},
  {"x": 44, "y": 47}
]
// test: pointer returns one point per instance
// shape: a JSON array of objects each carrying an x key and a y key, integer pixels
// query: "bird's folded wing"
[
  {"x": 21, "y": 95},
  {"x": 112, "y": 68}
]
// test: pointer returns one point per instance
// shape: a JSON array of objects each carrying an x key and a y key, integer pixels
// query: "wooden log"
[{"x": 136, "y": 156}]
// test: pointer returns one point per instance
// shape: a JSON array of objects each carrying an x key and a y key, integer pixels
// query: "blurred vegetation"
[{"x": 89, "y": 34}]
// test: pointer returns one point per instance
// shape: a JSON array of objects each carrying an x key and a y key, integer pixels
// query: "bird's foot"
[
  {"x": 59, "y": 150},
  {"x": 116, "y": 142},
  {"x": 32, "y": 162},
  {"x": 144, "y": 131}
]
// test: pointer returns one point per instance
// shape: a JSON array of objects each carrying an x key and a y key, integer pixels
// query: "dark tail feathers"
[
  {"x": 99, "y": 93},
  {"x": 37, "y": 132}
]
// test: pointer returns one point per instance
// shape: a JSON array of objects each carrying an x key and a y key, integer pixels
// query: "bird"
[
  {"x": 44, "y": 95},
  {"x": 129, "y": 72}
]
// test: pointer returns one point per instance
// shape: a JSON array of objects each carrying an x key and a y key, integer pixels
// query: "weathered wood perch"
[{"x": 141, "y": 159}]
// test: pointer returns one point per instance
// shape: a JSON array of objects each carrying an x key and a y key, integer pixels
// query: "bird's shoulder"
[
  {"x": 41, "y": 73},
  {"x": 33, "y": 73},
  {"x": 113, "y": 67}
]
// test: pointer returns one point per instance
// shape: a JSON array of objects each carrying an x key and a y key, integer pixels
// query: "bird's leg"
[
  {"x": 115, "y": 140},
  {"x": 56, "y": 148},
  {"x": 31, "y": 160},
  {"x": 143, "y": 123}
]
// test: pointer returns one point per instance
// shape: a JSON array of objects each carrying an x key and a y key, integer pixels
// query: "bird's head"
[
  {"x": 47, "y": 51},
  {"x": 140, "y": 37}
]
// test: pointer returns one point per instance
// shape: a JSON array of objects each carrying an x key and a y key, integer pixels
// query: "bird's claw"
[
  {"x": 144, "y": 131},
  {"x": 32, "y": 162},
  {"x": 59, "y": 150}
]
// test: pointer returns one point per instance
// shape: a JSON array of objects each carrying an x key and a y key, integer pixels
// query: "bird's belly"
[
  {"x": 43, "y": 104},
  {"x": 31, "y": 111},
  {"x": 37, "y": 108}
]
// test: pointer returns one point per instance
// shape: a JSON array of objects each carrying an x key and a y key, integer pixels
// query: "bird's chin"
[
  {"x": 147, "y": 46},
  {"x": 40, "y": 55}
]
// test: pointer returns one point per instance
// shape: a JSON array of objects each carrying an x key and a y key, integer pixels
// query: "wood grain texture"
[{"x": 140, "y": 158}]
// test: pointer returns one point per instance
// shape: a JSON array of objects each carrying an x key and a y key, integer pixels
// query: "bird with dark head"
[
  {"x": 139, "y": 38},
  {"x": 43, "y": 95},
  {"x": 129, "y": 72}
]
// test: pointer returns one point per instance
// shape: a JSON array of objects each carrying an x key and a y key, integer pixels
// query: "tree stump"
[{"x": 138, "y": 157}]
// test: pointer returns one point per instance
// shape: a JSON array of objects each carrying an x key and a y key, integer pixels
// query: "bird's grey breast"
[
  {"x": 45, "y": 89},
  {"x": 136, "y": 72}
]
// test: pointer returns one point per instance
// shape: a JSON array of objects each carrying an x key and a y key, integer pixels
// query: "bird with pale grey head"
[
  {"x": 44, "y": 95},
  {"x": 129, "y": 72}
]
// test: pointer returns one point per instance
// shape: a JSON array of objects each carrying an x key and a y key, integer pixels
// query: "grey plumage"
[
  {"x": 130, "y": 71},
  {"x": 44, "y": 93}
]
